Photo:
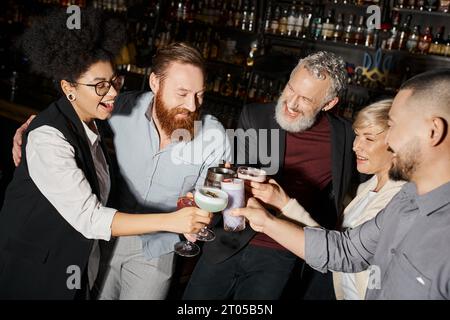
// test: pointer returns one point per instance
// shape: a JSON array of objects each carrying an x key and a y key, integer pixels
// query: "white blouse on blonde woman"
[{"x": 365, "y": 206}]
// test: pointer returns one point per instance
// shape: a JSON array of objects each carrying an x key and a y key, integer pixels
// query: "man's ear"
[
  {"x": 439, "y": 130},
  {"x": 330, "y": 105},
  {"x": 153, "y": 82}
]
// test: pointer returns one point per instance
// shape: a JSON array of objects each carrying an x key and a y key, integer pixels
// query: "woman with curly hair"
[{"x": 59, "y": 202}]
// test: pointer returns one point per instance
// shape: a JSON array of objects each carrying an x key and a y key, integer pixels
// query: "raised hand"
[
  {"x": 270, "y": 193},
  {"x": 190, "y": 220},
  {"x": 255, "y": 214}
]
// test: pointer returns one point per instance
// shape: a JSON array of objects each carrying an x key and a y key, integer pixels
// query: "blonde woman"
[{"x": 373, "y": 158}]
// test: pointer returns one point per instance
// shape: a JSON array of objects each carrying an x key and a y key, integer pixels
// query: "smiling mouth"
[
  {"x": 109, "y": 106},
  {"x": 361, "y": 158},
  {"x": 291, "y": 113}
]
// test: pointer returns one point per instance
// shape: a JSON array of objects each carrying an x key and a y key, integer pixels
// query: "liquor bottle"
[
  {"x": 425, "y": 41},
  {"x": 215, "y": 46},
  {"x": 328, "y": 26},
  {"x": 252, "y": 19},
  {"x": 400, "y": 4},
  {"x": 447, "y": 47},
  {"x": 227, "y": 87},
  {"x": 411, "y": 4},
  {"x": 306, "y": 24},
  {"x": 244, "y": 18},
  {"x": 413, "y": 40},
  {"x": 338, "y": 28},
  {"x": 283, "y": 22},
  {"x": 392, "y": 42},
  {"x": 404, "y": 33},
  {"x": 360, "y": 31},
  {"x": 317, "y": 28},
  {"x": 435, "y": 46},
  {"x": 253, "y": 88},
  {"x": 274, "y": 24},
  {"x": 268, "y": 17},
  {"x": 348, "y": 35},
  {"x": 299, "y": 24},
  {"x": 291, "y": 21},
  {"x": 432, "y": 5},
  {"x": 421, "y": 4},
  {"x": 237, "y": 17},
  {"x": 444, "y": 6}
]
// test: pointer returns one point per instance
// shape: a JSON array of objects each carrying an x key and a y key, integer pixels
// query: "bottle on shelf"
[
  {"x": 267, "y": 21},
  {"x": 274, "y": 24},
  {"x": 425, "y": 41},
  {"x": 447, "y": 47},
  {"x": 328, "y": 26},
  {"x": 338, "y": 28},
  {"x": 404, "y": 33},
  {"x": 411, "y": 4},
  {"x": 291, "y": 21},
  {"x": 413, "y": 40},
  {"x": 432, "y": 5},
  {"x": 283, "y": 22},
  {"x": 400, "y": 4},
  {"x": 349, "y": 30},
  {"x": 299, "y": 24},
  {"x": 392, "y": 42},
  {"x": 359, "y": 32},
  {"x": 444, "y": 6},
  {"x": 421, "y": 4},
  {"x": 438, "y": 42},
  {"x": 226, "y": 89}
]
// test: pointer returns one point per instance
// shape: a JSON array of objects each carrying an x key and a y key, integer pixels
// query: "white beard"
[{"x": 299, "y": 125}]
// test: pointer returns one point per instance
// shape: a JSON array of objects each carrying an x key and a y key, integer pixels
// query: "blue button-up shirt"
[{"x": 153, "y": 177}]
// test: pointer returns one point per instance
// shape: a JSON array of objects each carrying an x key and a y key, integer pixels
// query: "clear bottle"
[
  {"x": 283, "y": 22},
  {"x": 360, "y": 32},
  {"x": 413, "y": 40},
  {"x": 404, "y": 33},
  {"x": 348, "y": 35},
  {"x": 267, "y": 22},
  {"x": 292, "y": 19}
]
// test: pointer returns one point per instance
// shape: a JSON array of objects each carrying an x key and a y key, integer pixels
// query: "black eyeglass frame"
[{"x": 110, "y": 83}]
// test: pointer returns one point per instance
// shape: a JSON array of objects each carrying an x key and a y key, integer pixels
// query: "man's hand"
[
  {"x": 270, "y": 193},
  {"x": 17, "y": 141},
  {"x": 255, "y": 214}
]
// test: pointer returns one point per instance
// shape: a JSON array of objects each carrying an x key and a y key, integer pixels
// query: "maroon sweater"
[{"x": 306, "y": 172}]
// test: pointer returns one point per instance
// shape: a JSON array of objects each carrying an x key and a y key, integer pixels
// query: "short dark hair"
[
  {"x": 176, "y": 52},
  {"x": 434, "y": 86},
  {"x": 60, "y": 53}
]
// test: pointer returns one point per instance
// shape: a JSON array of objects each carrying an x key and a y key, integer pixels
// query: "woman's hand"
[
  {"x": 189, "y": 220},
  {"x": 270, "y": 193},
  {"x": 255, "y": 214},
  {"x": 17, "y": 141}
]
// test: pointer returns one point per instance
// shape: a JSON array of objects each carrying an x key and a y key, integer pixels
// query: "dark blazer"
[
  {"x": 262, "y": 116},
  {"x": 37, "y": 244}
]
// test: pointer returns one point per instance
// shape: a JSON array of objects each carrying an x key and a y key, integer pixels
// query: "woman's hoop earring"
[{"x": 71, "y": 97}]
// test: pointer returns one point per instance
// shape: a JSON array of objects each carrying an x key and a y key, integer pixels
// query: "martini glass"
[{"x": 212, "y": 200}]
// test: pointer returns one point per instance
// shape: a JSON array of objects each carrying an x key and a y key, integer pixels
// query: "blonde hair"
[{"x": 375, "y": 114}]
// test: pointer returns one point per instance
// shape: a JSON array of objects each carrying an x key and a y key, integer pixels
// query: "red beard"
[{"x": 167, "y": 120}]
